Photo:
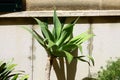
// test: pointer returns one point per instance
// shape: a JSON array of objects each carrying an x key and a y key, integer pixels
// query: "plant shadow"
[{"x": 64, "y": 70}]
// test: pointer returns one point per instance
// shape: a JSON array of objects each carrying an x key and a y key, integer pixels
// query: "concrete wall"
[
  {"x": 72, "y": 4},
  {"x": 30, "y": 56},
  {"x": 16, "y": 43}
]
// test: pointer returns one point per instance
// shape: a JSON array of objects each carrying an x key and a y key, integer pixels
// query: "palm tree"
[{"x": 59, "y": 42}]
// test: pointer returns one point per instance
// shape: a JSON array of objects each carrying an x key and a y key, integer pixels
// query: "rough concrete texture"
[
  {"x": 110, "y": 4},
  {"x": 72, "y": 4}
]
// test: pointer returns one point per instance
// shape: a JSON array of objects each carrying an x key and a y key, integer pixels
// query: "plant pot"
[{"x": 88, "y": 78}]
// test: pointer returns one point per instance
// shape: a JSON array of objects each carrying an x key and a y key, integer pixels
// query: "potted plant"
[{"x": 59, "y": 42}]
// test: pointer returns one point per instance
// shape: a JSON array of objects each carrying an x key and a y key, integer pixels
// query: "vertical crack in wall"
[
  {"x": 32, "y": 55},
  {"x": 100, "y": 4},
  {"x": 53, "y": 3},
  {"x": 90, "y": 48}
]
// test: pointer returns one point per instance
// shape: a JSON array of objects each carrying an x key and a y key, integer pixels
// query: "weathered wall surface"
[
  {"x": 16, "y": 43},
  {"x": 72, "y": 4},
  {"x": 106, "y": 44},
  {"x": 30, "y": 56}
]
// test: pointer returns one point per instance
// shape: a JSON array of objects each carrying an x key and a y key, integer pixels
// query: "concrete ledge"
[
  {"x": 84, "y": 13},
  {"x": 37, "y": 5}
]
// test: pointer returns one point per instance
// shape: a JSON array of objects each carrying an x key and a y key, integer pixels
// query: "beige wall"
[
  {"x": 16, "y": 43},
  {"x": 30, "y": 56},
  {"x": 106, "y": 43}
]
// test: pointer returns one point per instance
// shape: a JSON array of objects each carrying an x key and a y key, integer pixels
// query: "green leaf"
[
  {"x": 67, "y": 39},
  {"x": 46, "y": 32},
  {"x": 8, "y": 72},
  {"x": 83, "y": 60},
  {"x": 68, "y": 26},
  {"x": 76, "y": 38},
  {"x": 57, "y": 26},
  {"x": 81, "y": 38},
  {"x": 36, "y": 36},
  {"x": 25, "y": 77},
  {"x": 68, "y": 47},
  {"x": 2, "y": 67},
  {"x": 75, "y": 21},
  {"x": 80, "y": 57},
  {"x": 40, "y": 39},
  {"x": 87, "y": 37},
  {"x": 69, "y": 56},
  {"x": 66, "y": 33},
  {"x": 50, "y": 43},
  {"x": 91, "y": 59},
  {"x": 11, "y": 67},
  {"x": 15, "y": 77},
  {"x": 80, "y": 48}
]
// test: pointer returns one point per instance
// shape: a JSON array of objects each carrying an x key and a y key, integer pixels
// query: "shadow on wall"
[{"x": 59, "y": 67}]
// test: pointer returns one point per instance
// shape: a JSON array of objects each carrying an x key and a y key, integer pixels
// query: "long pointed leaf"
[
  {"x": 57, "y": 26},
  {"x": 91, "y": 59},
  {"x": 50, "y": 43},
  {"x": 87, "y": 37},
  {"x": 2, "y": 67},
  {"x": 15, "y": 77},
  {"x": 40, "y": 37},
  {"x": 25, "y": 77},
  {"x": 76, "y": 38},
  {"x": 11, "y": 67},
  {"x": 81, "y": 38},
  {"x": 66, "y": 33},
  {"x": 68, "y": 47},
  {"x": 40, "y": 40},
  {"x": 81, "y": 59},
  {"x": 46, "y": 32},
  {"x": 80, "y": 48},
  {"x": 69, "y": 56},
  {"x": 75, "y": 21}
]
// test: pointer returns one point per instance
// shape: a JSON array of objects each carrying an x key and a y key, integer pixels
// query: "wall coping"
[{"x": 83, "y": 13}]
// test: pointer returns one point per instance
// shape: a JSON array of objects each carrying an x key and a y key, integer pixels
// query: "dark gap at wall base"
[{"x": 85, "y": 20}]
